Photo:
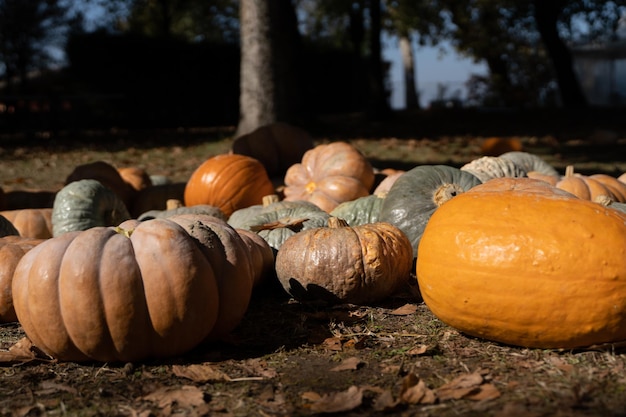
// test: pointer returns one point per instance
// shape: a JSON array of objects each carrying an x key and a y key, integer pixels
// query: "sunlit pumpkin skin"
[
  {"x": 328, "y": 175},
  {"x": 86, "y": 203},
  {"x": 137, "y": 177},
  {"x": 228, "y": 182},
  {"x": 416, "y": 195},
  {"x": 523, "y": 263},
  {"x": 12, "y": 248},
  {"x": 33, "y": 223},
  {"x": 232, "y": 263},
  {"x": 110, "y": 295},
  {"x": 583, "y": 186},
  {"x": 277, "y": 146},
  {"x": 613, "y": 184},
  {"x": 343, "y": 264}
]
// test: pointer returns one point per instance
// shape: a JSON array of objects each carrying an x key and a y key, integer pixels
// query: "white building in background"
[{"x": 601, "y": 70}]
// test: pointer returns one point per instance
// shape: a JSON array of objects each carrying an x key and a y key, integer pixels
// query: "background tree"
[
  {"x": 411, "y": 20},
  {"x": 29, "y": 32}
]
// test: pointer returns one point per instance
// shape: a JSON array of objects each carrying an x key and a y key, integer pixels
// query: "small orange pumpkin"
[
  {"x": 228, "y": 182},
  {"x": 583, "y": 186},
  {"x": 32, "y": 223}
]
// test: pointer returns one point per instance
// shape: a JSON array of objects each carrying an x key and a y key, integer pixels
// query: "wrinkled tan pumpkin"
[
  {"x": 342, "y": 264},
  {"x": 520, "y": 262},
  {"x": 328, "y": 175}
]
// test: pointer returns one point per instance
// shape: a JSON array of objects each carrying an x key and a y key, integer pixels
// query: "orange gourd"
[
  {"x": 228, "y": 182},
  {"x": 520, "y": 262}
]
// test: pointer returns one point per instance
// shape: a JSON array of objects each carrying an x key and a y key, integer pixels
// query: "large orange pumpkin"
[
  {"x": 228, "y": 182},
  {"x": 328, "y": 175},
  {"x": 520, "y": 262},
  {"x": 109, "y": 294}
]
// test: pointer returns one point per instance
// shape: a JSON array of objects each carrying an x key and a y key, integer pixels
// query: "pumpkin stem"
[
  {"x": 270, "y": 199},
  {"x": 446, "y": 192},
  {"x": 604, "y": 200},
  {"x": 122, "y": 231},
  {"x": 569, "y": 171},
  {"x": 172, "y": 204},
  {"x": 336, "y": 223}
]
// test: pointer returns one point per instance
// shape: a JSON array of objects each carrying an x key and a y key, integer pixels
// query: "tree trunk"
[
  {"x": 411, "y": 96},
  {"x": 378, "y": 105},
  {"x": 546, "y": 17},
  {"x": 257, "y": 89}
]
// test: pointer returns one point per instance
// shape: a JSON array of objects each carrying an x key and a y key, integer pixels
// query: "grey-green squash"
[
  {"x": 416, "y": 195},
  {"x": 84, "y": 204}
]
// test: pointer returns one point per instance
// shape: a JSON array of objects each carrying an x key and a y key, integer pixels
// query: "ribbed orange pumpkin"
[
  {"x": 520, "y": 262},
  {"x": 228, "y": 182},
  {"x": 12, "y": 249},
  {"x": 107, "y": 294},
  {"x": 588, "y": 187},
  {"x": 328, "y": 175},
  {"x": 33, "y": 223}
]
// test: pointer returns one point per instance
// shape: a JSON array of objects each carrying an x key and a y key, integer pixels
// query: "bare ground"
[{"x": 293, "y": 359}]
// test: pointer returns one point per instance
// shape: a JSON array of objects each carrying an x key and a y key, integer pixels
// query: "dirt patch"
[{"x": 293, "y": 359}]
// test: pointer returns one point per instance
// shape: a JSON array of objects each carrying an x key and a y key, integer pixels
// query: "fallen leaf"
[
  {"x": 460, "y": 387},
  {"x": 417, "y": 350},
  {"x": 405, "y": 310},
  {"x": 286, "y": 222},
  {"x": 332, "y": 343},
  {"x": 348, "y": 364},
  {"x": 415, "y": 391},
  {"x": 339, "y": 401},
  {"x": 200, "y": 373},
  {"x": 385, "y": 401},
  {"x": 485, "y": 392},
  {"x": 21, "y": 352},
  {"x": 184, "y": 397},
  {"x": 49, "y": 387}
]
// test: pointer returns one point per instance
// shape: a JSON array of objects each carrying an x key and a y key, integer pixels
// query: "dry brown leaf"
[
  {"x": 184, "y": 397},
  {"x": 21, "y": 352},
  {"x": 286, "y": 222},
  {"x": 200, "y": 373},
  {"x": 405, "y": 310},
  {"x": 338, "y": 402},
  {"x": 332, "y": 343},
  {"x": 415, "y": 391},
  {"x": 385, "y": 401},
  {"x": 417, "y": 350},
  {"x": 49, "y": 387},
  {"x": 348, "y": 364},
  {"x": 485, "y": 392},
  {"x": 460, "y": 387}
]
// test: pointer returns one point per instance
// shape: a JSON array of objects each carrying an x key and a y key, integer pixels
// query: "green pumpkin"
[
  {"x": 84, "y": 204},
  {"x": 363, "y": 210},
  {"x": 278, "y": 221},
  {"x": 416, "y": 194},
  {"x": 199, "y": 209},
  {"x": 530, "y": 163}
]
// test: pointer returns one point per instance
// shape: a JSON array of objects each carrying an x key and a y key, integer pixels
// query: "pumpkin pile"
[{"x": 119, "y": 265}]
